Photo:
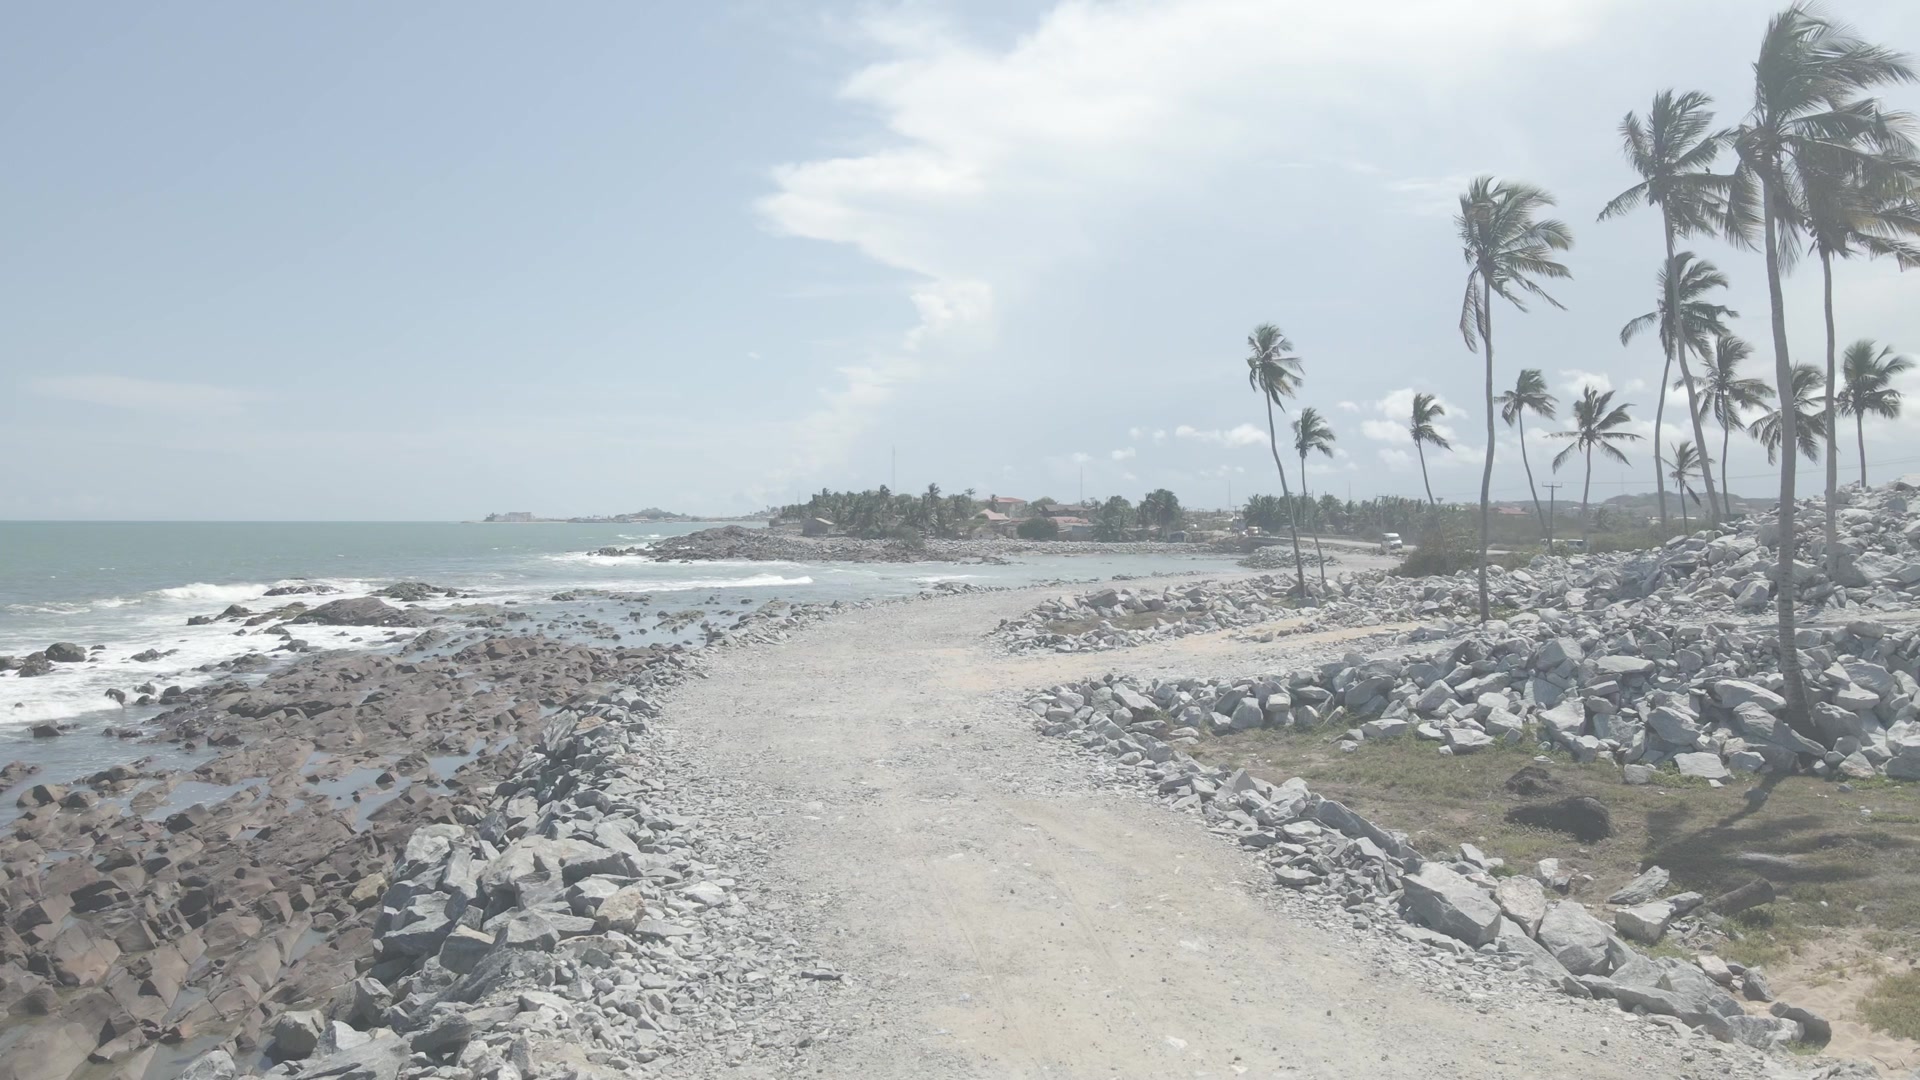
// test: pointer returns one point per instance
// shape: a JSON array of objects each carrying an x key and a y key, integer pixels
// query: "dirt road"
[{"x": 1000, "y": 913}]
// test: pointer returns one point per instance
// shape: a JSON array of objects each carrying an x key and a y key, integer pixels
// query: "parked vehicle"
[{"x": 1390, "y": 543}]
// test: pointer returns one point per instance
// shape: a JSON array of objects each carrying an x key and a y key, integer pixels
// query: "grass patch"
[
  {"x": 1838, "y": 859},
  {"x": 1893, "y": 1005}
]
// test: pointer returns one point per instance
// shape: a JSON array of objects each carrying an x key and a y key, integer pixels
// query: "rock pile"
[
  {"x": 1280, "y": 557},
  {"x": 1463, "y": 905},
  {"x": 1086, "y": 622},
  {"x": 1703, "y": 699}
]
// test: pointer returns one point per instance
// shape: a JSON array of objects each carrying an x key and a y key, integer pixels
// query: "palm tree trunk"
[
  {"x": 1726, "y": 497},
  {"x": 1539, "y": 511},
  {"x": 1420, "y": 449},
  {"x": 1314, "y": 520},
  {"x": 1669, "y": 338},
  {"x": 1486, "y": 470},
  {"x": 1783, "y": 587},
  {"x": 1273, "y": 442},
  {"x": 1699, "y": 437},
  {"x": 1686, "y": 523},
  {"x": 1586, "y": 523},
  {"x": 1833, "y": 466},
  {"x": 1860, "y": 436}
]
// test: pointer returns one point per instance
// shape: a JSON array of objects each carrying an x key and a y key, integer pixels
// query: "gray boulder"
[
  {"x": 1649, "y": 885},
  {"x": 1576, "y": 939},
  {"x": 1438, "y": 898}
]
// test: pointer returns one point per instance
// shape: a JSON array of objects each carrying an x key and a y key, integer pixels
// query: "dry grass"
[
  {"x": 1893, "y": 1005},
  {"x": 1851, "y": 858}
]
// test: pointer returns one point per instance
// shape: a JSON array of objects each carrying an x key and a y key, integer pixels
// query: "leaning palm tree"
[
  {"x": 1807, "y": 117},
  {"x": 1310, "y": 433},
  {"x": 1686, "y": 462},
  {"x": 1529, "y": 395},
  {"x": 1684, "y": 284},
  {"x": 1729, "y": 397},
  {"x": 1805, "y": 423},
  {"x": 1858, "y": 204},
  {"x": 1869, "y": 390},
  {"x": 1673, "y": 150},
  {"x": 1508, "y": 249},
  {"x": 1425, "y": 411},
  {"x": 1274, "y": 372},
  {"x": 1597, "y": 424}
]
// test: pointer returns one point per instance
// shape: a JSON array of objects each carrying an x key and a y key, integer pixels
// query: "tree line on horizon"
[{"x": 1817, "y": 168}]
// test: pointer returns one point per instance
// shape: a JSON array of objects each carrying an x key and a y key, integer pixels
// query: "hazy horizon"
[{"x": 391, "y": 264}]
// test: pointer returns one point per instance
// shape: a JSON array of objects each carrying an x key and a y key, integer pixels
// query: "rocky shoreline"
[
  {"x": 267, "y": 904},
  {"x": 734, "y": 543}
]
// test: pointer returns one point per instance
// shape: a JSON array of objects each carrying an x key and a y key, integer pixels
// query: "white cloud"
[
  {"x": 1577, "y": 381},
  {"x": 1241, "y": 435},
  {"x": 1128, "y": 476},
  {"x": 1081, "y": 458},
  {"x": 989, "y": 160},
  {"x": 1134, "y": 433},
  {"x": 144, "y": 395},
  {"x": 1159, "y": 435},
  {"x": 1349, "y": 406},
  {"x": 1122, "y": 455},
  {"x": 1397, "y": 460}
]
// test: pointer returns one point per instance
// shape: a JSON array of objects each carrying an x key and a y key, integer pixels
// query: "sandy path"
[{"x": 1000, "y": 914}]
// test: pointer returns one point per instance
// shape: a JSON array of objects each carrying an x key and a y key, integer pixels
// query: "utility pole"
[
  {"x": 1553, "y": 495},
  {"x": 893, "y": 468},
  {"x": 1083, "y": 485},
  {"x": 1229, "y": 494}
]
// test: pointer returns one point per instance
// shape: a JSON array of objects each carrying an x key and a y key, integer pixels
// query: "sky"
[{"x": 368, "y": 261}]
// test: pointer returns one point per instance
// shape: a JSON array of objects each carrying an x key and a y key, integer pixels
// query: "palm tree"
[
  {"x": 1507, "y": 249},
  {"x": 1425, "y": 411},
  {"x": 1596, "y": 426},
  {"x": 1805, "y": 423},
  {"x": 1869, "y": 390},
  {"x": 1855, "y": 207},
  {"x": 1686, "y": 462},
  {"x": 1310, "y": 433},
  {"x": 1160, "y": 510},
  {"x": 1684, "y": 283},
  {"x": 1729, "y": 397},
  {"x": 1807, "y": 119},
  {"x": 1274, "y": 372},
  {"x": 1529, "y": 394},
  {"x": 1673, "y": 151}
]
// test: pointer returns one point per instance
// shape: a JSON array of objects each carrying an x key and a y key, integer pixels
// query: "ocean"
[{"x": 131, "y": 587}]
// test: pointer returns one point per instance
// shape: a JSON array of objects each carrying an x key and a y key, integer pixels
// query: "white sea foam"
[
  {"x": 935, "y": 579},
  {"x": 202, "y": 592},
  {"x": 756, "y": 581}
]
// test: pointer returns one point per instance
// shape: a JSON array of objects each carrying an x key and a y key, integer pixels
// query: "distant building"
[
  {"x": 1067, "y": 510},
  {"x": 1510, "y": 511},
  {"x": 816, "y": 526},
  {"x": 517, "y": 515},
  {"x": 1008, "y": 505},
  {"x": 994, "y": 521},
  {"x": 1074, "y": 528}
]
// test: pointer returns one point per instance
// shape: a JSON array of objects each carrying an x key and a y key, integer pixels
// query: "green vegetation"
[
  {"x": 1160, "y": 511},
  {"x": 1893, "y": 1005},
  {"x": 1274, "y": 372},
  {"x": 1111, "y": 520},
  {"x": 1038, "y": 528},
  {"x": 1868, "y": 389},
  {"x": 880, "y": 512},
  {"x": 1597, "y": 425}
]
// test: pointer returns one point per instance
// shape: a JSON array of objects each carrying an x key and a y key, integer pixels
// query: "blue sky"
[{"x": 412, "y": 261}]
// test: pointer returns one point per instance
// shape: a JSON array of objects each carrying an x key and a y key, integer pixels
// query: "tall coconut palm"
[
  {"x": 1729, "y": 397},
  {"x": 1509, "y": 249},
  {"x": 1529, "y": 395},
  {"x": 1425, "y": 411},
  {"x": 1684, "y": 282},
  {"x": 1686, "y": 462},
  {"x": 1274, "y": 372},
  {"x": 1869, "y": 389},
  {"x": 1858, "y": 205},
  {"x": 1807, "y": 116},
  {"x": 1673, "y": 150},
  {"x": 1805, "y": 423},
  {"x": 1597, "y": 424},
  {"x": 1311, "y": 433}
]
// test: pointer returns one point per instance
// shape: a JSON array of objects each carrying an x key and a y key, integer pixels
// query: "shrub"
[
  {"x": 1038, "y": 528},
  {"x": 1442, "y": 548}
]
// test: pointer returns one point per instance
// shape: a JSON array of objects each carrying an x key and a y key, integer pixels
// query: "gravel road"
[{"x": 1001, "y": 907}]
